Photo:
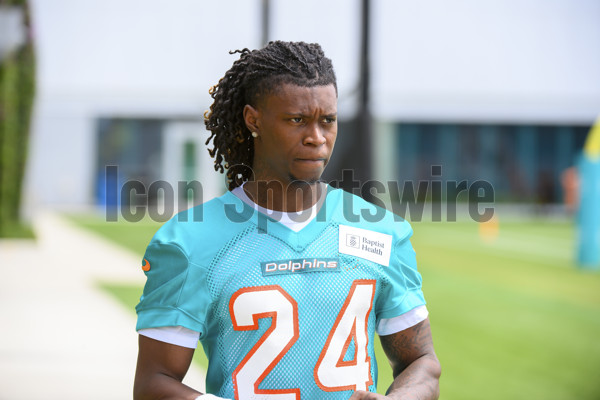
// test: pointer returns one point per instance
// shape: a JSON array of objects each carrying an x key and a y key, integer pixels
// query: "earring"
[{"x": 254, "y": 134}]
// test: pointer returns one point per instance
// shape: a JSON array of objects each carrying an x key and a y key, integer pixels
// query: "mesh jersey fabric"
[{"x": 208, "y": 276}]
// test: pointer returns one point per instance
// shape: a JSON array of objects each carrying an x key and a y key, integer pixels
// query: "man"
[{"x": 284, "y": 291}]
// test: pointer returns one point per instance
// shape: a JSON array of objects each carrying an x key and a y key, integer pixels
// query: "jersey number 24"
[{"x": 332, "y": 372}]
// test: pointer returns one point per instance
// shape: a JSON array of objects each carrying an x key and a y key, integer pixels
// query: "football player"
[{"x": 284, "y": 282}]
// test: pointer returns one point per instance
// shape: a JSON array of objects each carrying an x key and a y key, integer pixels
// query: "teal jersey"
[{"x": 282, "y": 315}]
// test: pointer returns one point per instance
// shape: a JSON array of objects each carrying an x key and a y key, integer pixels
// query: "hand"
[{"x": 362, "y": 395}]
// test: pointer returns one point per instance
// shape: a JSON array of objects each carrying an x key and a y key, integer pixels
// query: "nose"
[{"x": 314, "y": 135}]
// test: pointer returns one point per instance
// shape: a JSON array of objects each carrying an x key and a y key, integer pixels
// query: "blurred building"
[
  {"x": 500, "y": 90},
  {"x": 503, "y": 91}
]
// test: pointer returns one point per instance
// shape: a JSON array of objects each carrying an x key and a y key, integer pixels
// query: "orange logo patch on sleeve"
[{"x": 146, "y": 266}]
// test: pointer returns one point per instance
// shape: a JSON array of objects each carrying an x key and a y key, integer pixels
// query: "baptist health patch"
[
  {"x": 370, "y": 245},
  {"x": 299, "y": 266}
]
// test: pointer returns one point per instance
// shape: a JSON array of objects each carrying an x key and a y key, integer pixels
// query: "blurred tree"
[{"x": 17, "y": 89}]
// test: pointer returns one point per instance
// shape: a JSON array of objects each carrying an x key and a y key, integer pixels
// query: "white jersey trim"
[
  {"x": 293, "y": 220},
  {"x": 402, "y": 322},
  {"x": 177, "y": 335},
  {"x": 180, "y": 336}
]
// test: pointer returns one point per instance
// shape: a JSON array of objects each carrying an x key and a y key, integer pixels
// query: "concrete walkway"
[{"x": 60, "y": 336}]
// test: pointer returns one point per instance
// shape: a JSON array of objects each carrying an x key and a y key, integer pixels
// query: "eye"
[
  {"x": 296, "y": 120},
  {"x": 329, "y": 120}
]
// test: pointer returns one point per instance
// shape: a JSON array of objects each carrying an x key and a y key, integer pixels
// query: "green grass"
[
  {"x": 133, "y": 236},
  {"x": 512, "y": 318}
]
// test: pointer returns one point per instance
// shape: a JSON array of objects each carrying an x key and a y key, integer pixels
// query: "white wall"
[
  {"x": 139, "y": 47},
  {"x": 492, "y": 60},
  {"x": 335, "y": 25}
]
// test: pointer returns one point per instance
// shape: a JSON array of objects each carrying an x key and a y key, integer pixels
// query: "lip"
[{"x": 310, "y": 160}]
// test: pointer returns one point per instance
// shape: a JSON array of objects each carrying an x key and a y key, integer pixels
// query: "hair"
[{"x": 254, "y": 75}]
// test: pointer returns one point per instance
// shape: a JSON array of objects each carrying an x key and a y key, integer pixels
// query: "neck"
[{"x": 293, "y": 197}]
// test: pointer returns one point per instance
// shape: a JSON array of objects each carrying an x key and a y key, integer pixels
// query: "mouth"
[{"x": 311, "y": 160}]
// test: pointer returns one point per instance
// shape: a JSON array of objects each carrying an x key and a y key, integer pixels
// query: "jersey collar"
[{"x": 237, "y": 210}]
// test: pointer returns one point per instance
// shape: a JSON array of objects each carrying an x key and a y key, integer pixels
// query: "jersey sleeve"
[
  {"x": 177, "y": 335},
  {"x": 388, "y": 326},
  {"x": 175, "y": 293},
  {"x": 402, "y": 291}
]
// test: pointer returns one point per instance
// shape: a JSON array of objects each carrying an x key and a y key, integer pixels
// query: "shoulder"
[
  {"x": 204, "y": 229},
  {"x": 352, "y": 210}
]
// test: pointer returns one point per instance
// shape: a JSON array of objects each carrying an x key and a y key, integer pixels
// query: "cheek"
[{"x": 277, "y": 135}]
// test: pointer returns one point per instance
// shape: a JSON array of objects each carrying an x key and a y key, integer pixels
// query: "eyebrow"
[{"x": 290, "y": 114}]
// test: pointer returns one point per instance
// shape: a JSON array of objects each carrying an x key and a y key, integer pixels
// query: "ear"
[{"x": 251, "y": 117}]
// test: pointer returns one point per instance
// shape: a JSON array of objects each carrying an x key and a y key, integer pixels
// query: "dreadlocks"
[{"x": 255, "y": 74}]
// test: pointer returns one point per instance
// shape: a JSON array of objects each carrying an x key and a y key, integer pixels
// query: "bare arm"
[
  {"x": 160, "y": 370},
  {"x": 414, "y": 364}
]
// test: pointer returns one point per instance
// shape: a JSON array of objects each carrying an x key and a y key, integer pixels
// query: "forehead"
[{"x": 292, "y": 98}]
